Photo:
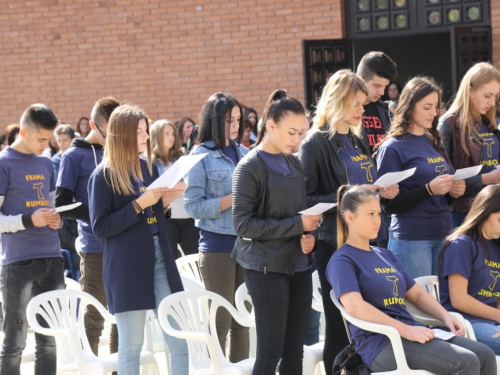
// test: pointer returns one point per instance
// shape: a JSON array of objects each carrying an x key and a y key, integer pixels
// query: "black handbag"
[{"x": 348, "y": 362}]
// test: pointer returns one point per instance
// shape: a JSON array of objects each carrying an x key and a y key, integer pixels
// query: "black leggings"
[
  {"x": 282, "y": 304},
  {"x": 335, "y": 333}
]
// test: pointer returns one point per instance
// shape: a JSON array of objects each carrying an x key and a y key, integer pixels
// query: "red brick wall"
[
  {"x": 495, "y": 21},
  {"x": 167, "y": 56}
]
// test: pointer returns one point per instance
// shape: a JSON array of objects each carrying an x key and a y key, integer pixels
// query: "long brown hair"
[
  {"x": 158, "y": 149},
  {"x": 414, "y": 91},
  {"x": 487, "y": 202},
  {"x": 121, "y": 155},
  {"x": 479, "y": 75},
  {"x": 349, "y": 197}
]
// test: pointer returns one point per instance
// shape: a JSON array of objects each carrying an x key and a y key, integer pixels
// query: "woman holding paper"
[
  {"x": 469, "y": 265},
  {"x": 273, "y": 244},
  {"x": 470, "y": 133},
  {"x": 373, "y": 286},
  {"x": 421, "y": 216},
  {"x": 166, "y": 149},
  {"x": 332, "y": 155},
  {"x": 139, "y": 269},
  {"x": 208, "y": 200}
]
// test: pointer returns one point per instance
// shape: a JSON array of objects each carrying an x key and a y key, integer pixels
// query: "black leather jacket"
[
  {"x": 325, "y": 172},
  {"x": 265, "y": 214}
]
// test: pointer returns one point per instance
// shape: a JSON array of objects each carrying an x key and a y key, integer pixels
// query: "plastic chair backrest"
[
  {"x": 429, "y": 283},
  {"x": 63, "y": 311},
  {"x": 391, "y": 332},
  {"x": 72, "y": 284},
  {"x": 188, "y": 266},
  {"x": 191, "y": 284},
  {"x": 243, "y": 302},
  {"x": 317, "y": 302},
  {"x": 194, "y": 313}
]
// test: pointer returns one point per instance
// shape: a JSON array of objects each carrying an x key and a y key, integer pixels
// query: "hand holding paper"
[
  {"x": 393, "y": 178},
  {"x": 177, "y": 171},
  {"x": 465, "y": 173},
  {"x": 318, "y": 209}
]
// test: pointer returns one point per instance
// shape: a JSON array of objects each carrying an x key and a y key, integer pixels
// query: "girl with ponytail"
[
  {"x": 274, "y": 241},
  {"x": 332, "y": 155},
  {"x": 424, "y": 203},
  {"x": 373, "y": 286}
]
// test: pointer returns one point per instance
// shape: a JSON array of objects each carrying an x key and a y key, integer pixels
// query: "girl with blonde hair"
[
  {"x": 470, "y": 132},
  {"x": 166, "y": 149},
  {"x": 139, "y": 269},
  {"x": 333, "y": 154}
]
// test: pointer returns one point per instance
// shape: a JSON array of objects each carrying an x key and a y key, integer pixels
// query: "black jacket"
[
  {"x": 266, "y": 221},
  {"x": 325, "y": 172}
]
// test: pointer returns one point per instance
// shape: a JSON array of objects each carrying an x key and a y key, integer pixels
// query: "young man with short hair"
[
  {"x": 77, "y": 165},
  {"x": 377, "y": 70},
  {"x": 31, "y": 255}
]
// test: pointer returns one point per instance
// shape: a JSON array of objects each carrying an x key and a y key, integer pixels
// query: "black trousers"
[
  {"x": 183, "y": 232},
  {"x": 282, "y": 304},
  {"x": 335, "y": 333}
]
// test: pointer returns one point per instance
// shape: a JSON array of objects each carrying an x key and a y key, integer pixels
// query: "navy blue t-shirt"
[
  {"x": 360, "y": 168},
  {"x": 26, "y": 181},
  {"x": 217, "y": 242},
  {"x": 77, "y": 165},
  {"x": 152, "y": 220},
  {"x": 491, "y": 149},
  {"x": 278, "y": 163},
  {"x": 430, "y": 219},
  {"x": 480, "y": 266},
  {"x": 381, "y": 281}
]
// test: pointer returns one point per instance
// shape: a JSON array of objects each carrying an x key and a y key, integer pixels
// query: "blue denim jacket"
[{"x": 207, "y": 182}]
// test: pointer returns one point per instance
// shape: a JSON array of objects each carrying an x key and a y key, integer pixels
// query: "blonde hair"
[
  {"x": 158, "y": 149},
  {"x": 337, "y": 101},
  {"x": 121, "y": 158},
  {"x": 480, "y": 74}
]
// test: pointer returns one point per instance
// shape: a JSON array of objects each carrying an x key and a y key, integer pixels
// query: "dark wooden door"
[
  {"x": 469, "y": 45},
  {"x": 321, "y": 59}
]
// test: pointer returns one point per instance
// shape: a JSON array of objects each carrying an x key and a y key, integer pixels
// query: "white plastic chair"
[
  {"x": 63, "y": 311},
  {"x": 313, "y": 354},
  {"x": 188, "y": 266},
  {"x": 153, "y": 339},
  {"x": 388, "y": 331},
  {"x": 431, "y": 284},
  {"x": 194, "y": 312}
]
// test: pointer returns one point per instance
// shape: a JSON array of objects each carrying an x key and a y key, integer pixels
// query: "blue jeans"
[
  {"x": 419, "y": 258},
  {"x": 131, "y": 329},
  {"x": 20, "y": 282},
  {"x": 487, "y": 332}
]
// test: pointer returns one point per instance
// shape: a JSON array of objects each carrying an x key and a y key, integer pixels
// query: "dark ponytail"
[
  {"x": 277, "y": 107},
  {"x": 349, "y": 197}
]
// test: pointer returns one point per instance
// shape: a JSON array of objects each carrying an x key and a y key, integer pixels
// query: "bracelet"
[
  {"x": 137, "y": 206},
  {"x": 430, "y": 190}
]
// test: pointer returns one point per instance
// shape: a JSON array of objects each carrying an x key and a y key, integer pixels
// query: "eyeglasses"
[{"x": 99, "y": 130}]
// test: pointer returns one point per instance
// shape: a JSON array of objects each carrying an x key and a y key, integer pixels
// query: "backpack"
[{"x": 348, "y": 362}]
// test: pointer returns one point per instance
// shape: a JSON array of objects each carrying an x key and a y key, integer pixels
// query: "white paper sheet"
[
  {"x": 318, "y": 209},
  {"x": 393, "y": 178},
  {"x": 464, "y": 173},
  {"x": 443, "y": 335},
  {"x": 177, "y": 171},
  {"x": 68, "y": 207}
]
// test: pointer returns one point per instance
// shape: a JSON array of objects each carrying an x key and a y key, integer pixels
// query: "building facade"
[{"x": 170, "y": 56}]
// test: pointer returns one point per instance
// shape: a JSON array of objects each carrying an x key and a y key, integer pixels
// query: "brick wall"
[
  {"x": 167, "y": 56},
  {"x": 495, "y": 21}
]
